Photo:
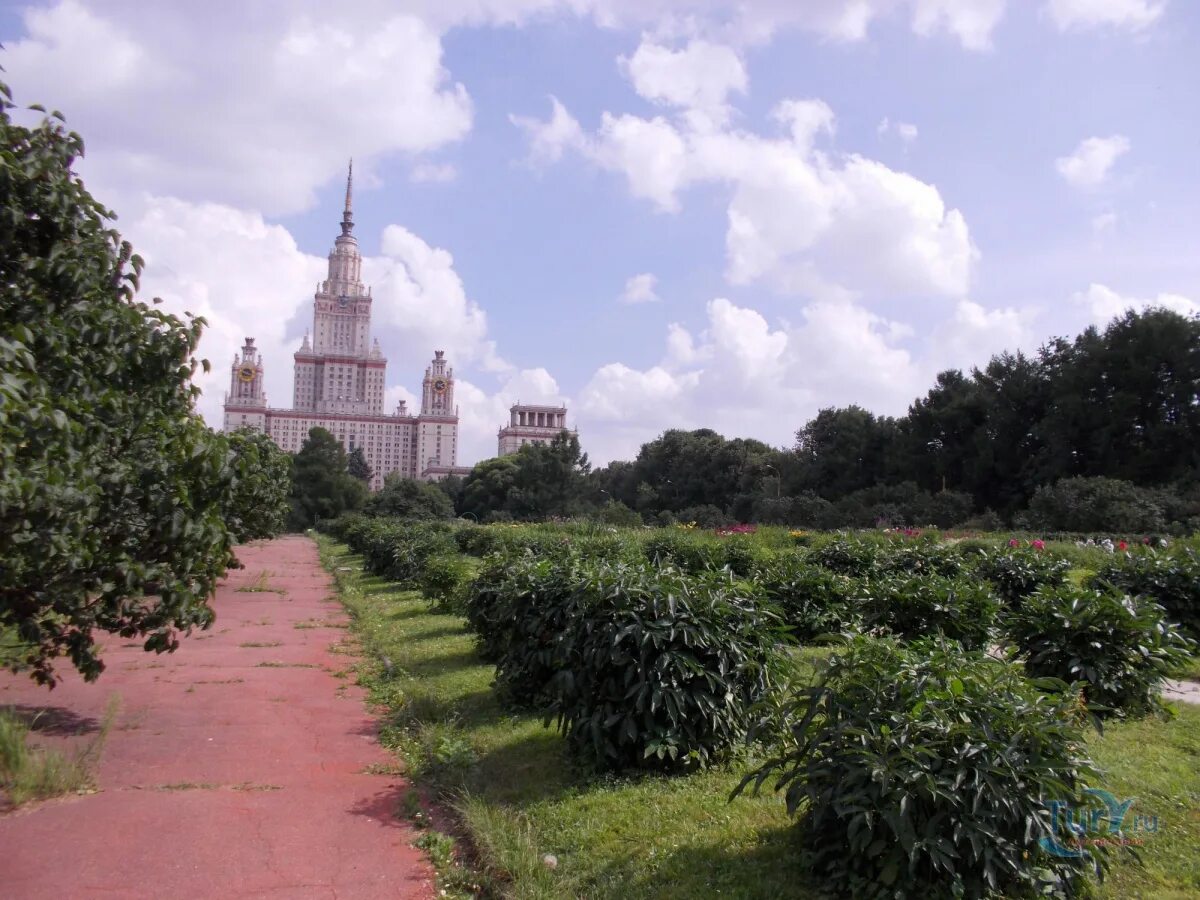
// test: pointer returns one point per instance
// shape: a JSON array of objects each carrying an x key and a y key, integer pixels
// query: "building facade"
[
  {"x": 341, "y": 379},
  {"x": 531, "y": 425}
]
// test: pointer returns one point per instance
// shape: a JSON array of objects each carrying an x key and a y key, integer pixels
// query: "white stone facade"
[
  {"x": 340, "y": 381},
  {"x": 531, "y": 425}
]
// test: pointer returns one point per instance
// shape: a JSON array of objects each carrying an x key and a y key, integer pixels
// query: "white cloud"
[
  {"x": 1104, "y": 304},
  {"x": 1131, "y": 14},
  {"x": 698, "y": 78},
  {"x": 482, "y": 414},
  {"x": 292, "y": 97},
  {"x": 640, "y": 289},
  {"x": 548, "y": 140},
  {"x": 1089, "y": 166},
  {"x": 799, "y": 219},
  {"x": 744, "y": 377},
  {"x": 1105, "y": 222},
  {"x": 974, "y": 334},
  {"x": 421, "y": 304},
  {"x": 971, "y": 21}
]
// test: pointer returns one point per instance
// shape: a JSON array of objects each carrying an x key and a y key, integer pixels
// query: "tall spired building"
[{"x": 340, "y": 380}]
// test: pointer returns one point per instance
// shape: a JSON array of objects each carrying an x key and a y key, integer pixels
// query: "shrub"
[
  {"x": 1096, "y": 504},
  {"x": 742, "y": 554},
  {"x": 484, "y": 599},
  {"x": 812, "y": 600},
  {"x": 1120, "y": 647},
  {"x": 689, "y": 552},
  {"x": 443, "y": 579},
  {"x": 661, "y": 668},
  {"x": 924, "y": 558},
  {"x": 848, "y": 557},
  {"x": 1017, "y": 573},
  {"x": 912, "y": 607},
  {"x": 1170, "y": 579},
  {"x": 924, "y": 770}
]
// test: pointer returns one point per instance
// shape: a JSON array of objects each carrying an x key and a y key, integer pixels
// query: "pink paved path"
[{"x": 223, "y": 777}]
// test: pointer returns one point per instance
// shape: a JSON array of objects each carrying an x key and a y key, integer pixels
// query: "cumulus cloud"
[
  {"x": 640, "y": 289},
  {"x": 1105, "y": 304},
  {"x": 1130, "y": 14},
  {"x": 971, "y": 21},
  {"x": 292, "y": 98},
  {"x": 799, "y": 218},
  {"x": 699, "y": 77},
  {"x": 1092, "y": 162},
  {"x": 906, "y": 131}
]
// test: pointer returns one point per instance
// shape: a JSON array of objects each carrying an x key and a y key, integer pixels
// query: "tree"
[
  {"x": 322, "y": 486},
  {"x": 356, "y": 465},
  {"x": 258, "y": 506},
  {"x": 404, "y": 498},
  {"x": 487, "y": 488},
  {"x": 112, "y": 490},
  {"x": 844, "y": 450},
  {"x": 550, "y": 479}
]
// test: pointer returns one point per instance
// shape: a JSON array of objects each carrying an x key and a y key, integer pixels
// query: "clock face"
[
  {"x": 440, "y": 385},
  {"x": 343, "y": 301},
  {"x": 246, "y": 373}
]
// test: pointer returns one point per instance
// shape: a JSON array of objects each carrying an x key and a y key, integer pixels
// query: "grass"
[
  {"x": 29, "y": 772},
  {"x": 517, "y": 798},
  {"x": 260, "y": 585}
]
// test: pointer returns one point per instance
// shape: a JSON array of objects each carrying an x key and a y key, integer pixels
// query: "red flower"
[
  {"x": 1038, "y": 544},
  {"x": 1121, "y": 545},
  {"x": 1014, "y": 543}
]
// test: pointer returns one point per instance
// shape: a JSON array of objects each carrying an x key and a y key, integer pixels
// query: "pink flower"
[
  {"x": 1038, "y": 544},
  {"x": 1014, "y": 543}
]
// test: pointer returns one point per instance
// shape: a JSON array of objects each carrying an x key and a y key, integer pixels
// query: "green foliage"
[
  {"x": 1096, "y": 505},
  {"x": 1120, "y": 647},
  {"x": 258, "y": 507},
  {"x": 913, "y": 606},
  {"x": 925, "y": 771},
  {"x": 405, "y": 498},
  {"x": 443, "y": 579},
  {"x": 537, "y": 482},
  {"x": 1018, "y": 572},
  {"x": 112, "y": 490},
  {"x": 848, "y": 557},
  {"x": 356, "y": 465},
  {"x": 661, "y": 668},
  {"x": 322, "y": 487},
  {"x": 686, "y": 550},
  {"x": 1171, "y": 579},
  {"x": 812, "y": 600}
]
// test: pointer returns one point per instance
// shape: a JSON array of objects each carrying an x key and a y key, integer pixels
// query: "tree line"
[{"x": 1099, "y": 432}]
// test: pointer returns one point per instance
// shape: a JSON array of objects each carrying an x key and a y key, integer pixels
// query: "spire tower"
[{"x": 348, "y": 213}]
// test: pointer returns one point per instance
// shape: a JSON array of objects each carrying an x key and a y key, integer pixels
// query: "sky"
[{"x": 662, "y": 213}]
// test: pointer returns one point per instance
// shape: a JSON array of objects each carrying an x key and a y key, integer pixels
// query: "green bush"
[
  {"x": 484, "y": 601},
  {"x": 1120, "y": 647},
  {"x": 1171, "y": 579},
  {"x": 743, "y": 553},
  {"x": 924, "y": 557},
  {"x": 925, "y": 771},
  {"x": 1018, "y": 572},
  {"x": 684, "y": 550},
  {"x": 1095, "y": 505},
  {"x": 812, "y": 600},
  {"x": 915, "y": 606},
  {"x": 661, "y": 668},
  {"x": 443, "y": 579},
  {"x": 848, "y": 557}
]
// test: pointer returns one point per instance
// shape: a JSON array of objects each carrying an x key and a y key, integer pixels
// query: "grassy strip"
[
  {"x": 517, "y": 795},
  {"x": 519, "y": 799},
  {"x": 37, "y": 773}
]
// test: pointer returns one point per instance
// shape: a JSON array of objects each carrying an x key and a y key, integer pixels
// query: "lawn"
[{"x": 518, "y": 798}]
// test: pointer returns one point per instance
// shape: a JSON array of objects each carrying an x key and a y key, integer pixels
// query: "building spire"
[{"x": 348, "y": 214}]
